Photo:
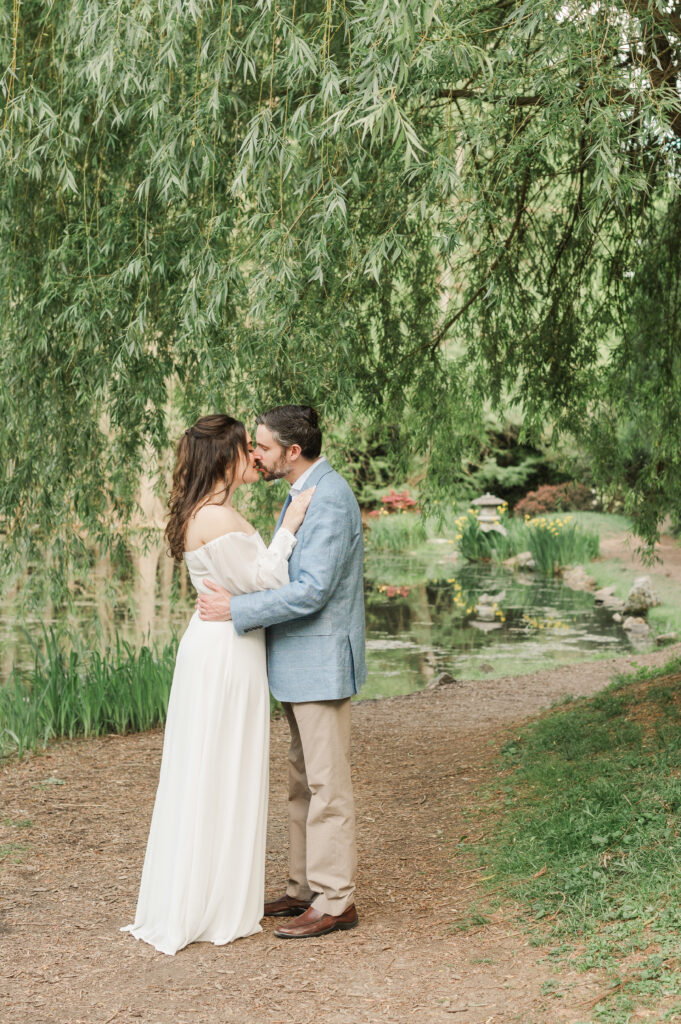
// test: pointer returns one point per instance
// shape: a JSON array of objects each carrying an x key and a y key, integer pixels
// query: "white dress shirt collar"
[{"x": 299, "y": 485}]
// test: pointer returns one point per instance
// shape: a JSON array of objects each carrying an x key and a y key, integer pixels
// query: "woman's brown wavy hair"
[{"x": 207, "y": 455}]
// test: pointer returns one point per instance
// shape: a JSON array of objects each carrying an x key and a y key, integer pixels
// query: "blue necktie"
[{"x": 289, "y": 498}]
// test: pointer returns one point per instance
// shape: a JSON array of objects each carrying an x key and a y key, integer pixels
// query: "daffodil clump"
[
  {"x": 554, "y": 541},
  {"x": 476, "y": 544},
  {"x": 558, "y": 541},
  {"x": 458, "y": 597}
]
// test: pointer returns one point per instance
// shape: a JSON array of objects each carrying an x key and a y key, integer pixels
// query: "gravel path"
[{"x": 70, "y": 881}]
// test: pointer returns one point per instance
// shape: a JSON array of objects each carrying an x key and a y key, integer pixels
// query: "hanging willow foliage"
[{"x": 410, "y": 207}]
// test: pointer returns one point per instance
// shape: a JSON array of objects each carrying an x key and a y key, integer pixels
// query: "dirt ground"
[
  {"x": 73, "y": 828},
  {"x": 71, "y": 880},
  {"x": 625, "y": 547}
]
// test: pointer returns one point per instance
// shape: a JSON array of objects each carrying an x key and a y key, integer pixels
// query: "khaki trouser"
[{"x": 322, "y": 853}]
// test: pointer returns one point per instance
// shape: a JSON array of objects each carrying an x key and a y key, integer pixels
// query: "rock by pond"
[
  {"x": 577, "y": 578},
  {"x": 523, "y": 560},
  {"x": 641, "y": 597},
  {"x": 606, "y": 597},
  {"x": 636, "y": 626}
]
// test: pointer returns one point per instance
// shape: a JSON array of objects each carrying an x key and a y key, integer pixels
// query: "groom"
[{"x": 315, "y": 662}]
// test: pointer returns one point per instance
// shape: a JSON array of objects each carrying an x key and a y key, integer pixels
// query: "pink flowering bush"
[
  {"x": 390, "y": 591},
  {"x": 395, "y": 501}
]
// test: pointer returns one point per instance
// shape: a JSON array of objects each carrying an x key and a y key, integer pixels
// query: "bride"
[{"x": 204, "y": 869}]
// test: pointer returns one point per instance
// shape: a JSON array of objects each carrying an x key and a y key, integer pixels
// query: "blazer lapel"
[{"x": 321, "y": 470}]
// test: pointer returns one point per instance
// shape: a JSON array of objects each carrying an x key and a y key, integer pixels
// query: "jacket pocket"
[{"x": 322, "y": 625}]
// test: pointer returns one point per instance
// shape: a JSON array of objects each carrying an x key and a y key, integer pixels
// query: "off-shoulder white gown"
[{"x": 204, "y": 870}]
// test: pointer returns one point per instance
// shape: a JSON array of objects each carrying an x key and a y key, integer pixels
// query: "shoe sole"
[
  {"x": 326, "y": 931},
  {"x": 289, "y": 912}
]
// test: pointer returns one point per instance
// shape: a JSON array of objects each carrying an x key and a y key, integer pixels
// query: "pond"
[
  {"x": 421, "y": 620},
  {"x": 474, "y": 620}
]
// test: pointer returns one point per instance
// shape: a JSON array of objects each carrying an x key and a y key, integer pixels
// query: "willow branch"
[{"x": 493, "y": 266}]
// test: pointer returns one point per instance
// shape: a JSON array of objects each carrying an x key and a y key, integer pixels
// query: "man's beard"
[{"x": 279, "y": 472}]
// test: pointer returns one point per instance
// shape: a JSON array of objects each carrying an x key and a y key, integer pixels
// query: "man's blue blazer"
[{"x": 315, "y": 623}]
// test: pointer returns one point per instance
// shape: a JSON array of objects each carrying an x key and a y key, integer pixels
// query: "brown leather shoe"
[
  {"x": 286, "y": 906},
  {"x": 313, "y": 923}
]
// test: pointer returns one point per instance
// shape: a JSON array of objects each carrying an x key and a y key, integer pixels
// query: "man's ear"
[{"x": 293, "y": 452}]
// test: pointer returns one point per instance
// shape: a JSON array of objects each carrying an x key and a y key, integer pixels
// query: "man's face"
[{"x": 273, "y": 461}]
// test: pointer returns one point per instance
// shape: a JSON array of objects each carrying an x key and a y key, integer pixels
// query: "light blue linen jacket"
[{"x": 315, "y": 623}]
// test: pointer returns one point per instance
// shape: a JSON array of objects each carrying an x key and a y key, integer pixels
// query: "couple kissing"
[{"x": 291, "y": 615}]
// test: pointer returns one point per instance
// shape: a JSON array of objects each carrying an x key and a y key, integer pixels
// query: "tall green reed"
[
  {"x": 398, "y": 531},
  {"x": 80, "y": 692}
]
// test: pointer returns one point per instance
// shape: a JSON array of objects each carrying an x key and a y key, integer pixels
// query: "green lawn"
[{"x": 584, "y": 835}]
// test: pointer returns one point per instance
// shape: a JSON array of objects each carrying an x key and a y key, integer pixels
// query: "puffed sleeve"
[{"x": 271, "y": 570}]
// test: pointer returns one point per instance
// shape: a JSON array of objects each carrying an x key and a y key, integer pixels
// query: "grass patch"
[
  {"x": 605, "y": 524},
  {"x": 666, "y": 617},
  {"x": 589, "y": 840},
  {"x": 12, "y": 852},
  {"x": 401, "y": 531}
]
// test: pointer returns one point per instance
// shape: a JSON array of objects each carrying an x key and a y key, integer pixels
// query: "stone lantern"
[{"x": 489, "y": 513}]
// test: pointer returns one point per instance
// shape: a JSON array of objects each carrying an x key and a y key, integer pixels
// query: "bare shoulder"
[{"x": 210, "y": 522}]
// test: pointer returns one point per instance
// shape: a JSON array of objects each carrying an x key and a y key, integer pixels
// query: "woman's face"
[{"x": 247, "y": 472}]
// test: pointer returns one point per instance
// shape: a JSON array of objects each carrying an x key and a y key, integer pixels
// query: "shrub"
[{"x": 556, "y": 498}]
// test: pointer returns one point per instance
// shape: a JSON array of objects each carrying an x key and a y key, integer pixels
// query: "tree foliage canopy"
[{"x": 413, "y": 208}]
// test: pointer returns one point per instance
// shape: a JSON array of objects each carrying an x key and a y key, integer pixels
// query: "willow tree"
[{"x": 411, "y": 209}]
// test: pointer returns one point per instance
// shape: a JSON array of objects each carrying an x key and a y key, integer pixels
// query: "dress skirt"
[{"x": 203, "y": 876}]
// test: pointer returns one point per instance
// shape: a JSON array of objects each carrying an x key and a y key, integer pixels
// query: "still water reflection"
[{"x": 473, "y": 621}]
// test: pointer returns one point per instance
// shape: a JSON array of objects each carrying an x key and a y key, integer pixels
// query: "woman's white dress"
[{"x": 204, "y": 870}]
